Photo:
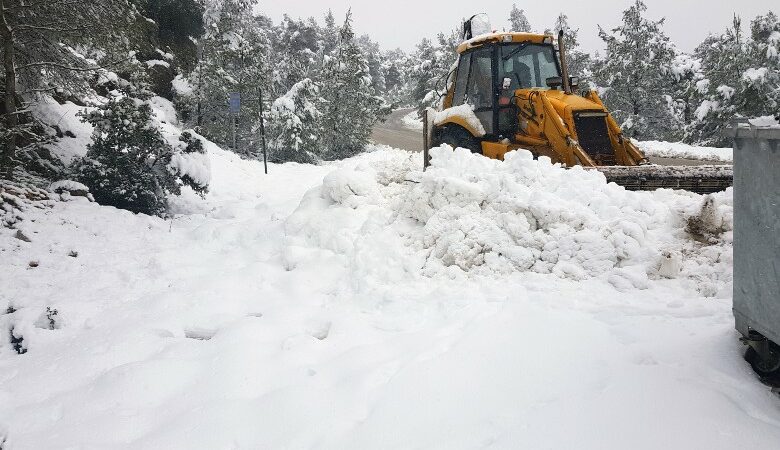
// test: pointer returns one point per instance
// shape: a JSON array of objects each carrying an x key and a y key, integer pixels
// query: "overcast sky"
[{"x": 402, "y": 23}]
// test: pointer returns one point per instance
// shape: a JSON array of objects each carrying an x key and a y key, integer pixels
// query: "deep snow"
[{"x": 364, "y": 304}]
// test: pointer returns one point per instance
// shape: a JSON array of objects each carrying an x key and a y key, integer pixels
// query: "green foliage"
[
  {"x": 127, "y": 164},
  {"x": 741, "y": 78},
  {"x": 295, "y": 125},
  {"x": 350, "y": 106},
  {"x": 634, "y": 74},
  {"x": 235, "y": 54}
]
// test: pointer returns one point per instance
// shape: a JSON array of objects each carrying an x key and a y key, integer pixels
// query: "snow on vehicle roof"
[{"x": 488, "y": 38}]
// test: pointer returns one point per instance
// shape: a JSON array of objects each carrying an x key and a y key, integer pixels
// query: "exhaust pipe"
[{"x": 564, "y": 66}]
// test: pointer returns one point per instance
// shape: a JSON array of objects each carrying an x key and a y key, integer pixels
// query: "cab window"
[
  {"x": 464, "y": 66},
  {"x": 479, "y": 92},
  {"x": 527, "y": 65}
]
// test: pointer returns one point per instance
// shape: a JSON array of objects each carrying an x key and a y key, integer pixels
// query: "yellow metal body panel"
[{"x": 497, "y": 150}]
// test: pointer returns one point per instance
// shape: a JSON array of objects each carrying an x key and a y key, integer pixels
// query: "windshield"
[{"x": 526, "y": 66}]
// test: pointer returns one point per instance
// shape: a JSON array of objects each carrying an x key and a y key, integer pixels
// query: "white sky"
[{"x": 402, "y": 23}]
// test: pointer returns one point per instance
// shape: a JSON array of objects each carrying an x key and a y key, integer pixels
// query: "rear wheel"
[
  {"x": 455, "y": 137},
  {"x": 768, "y": 366}
]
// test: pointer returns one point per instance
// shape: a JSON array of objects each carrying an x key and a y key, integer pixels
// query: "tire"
[
  {"x": 769, "y": 371},
  {"x": 456, "y": 137}
]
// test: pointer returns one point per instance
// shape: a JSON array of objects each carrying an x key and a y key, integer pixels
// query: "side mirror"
[
  {"x": 554, "y": 82},
  {"x": 574, "y": 82}
]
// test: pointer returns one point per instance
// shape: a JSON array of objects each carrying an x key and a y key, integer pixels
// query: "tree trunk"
[{"x": 8, "y": 153}]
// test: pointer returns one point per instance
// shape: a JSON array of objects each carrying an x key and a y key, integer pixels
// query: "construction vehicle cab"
[
  {"x": 512, "y": 91},
  {"x": 487, "y": 77}
]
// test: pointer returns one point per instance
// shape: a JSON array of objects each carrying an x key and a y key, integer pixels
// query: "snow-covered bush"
[
  {"x": 294, "y": 125},
  {"x": 129, "y": 164}
]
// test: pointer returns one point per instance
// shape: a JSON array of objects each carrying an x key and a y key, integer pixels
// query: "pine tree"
[
  {"x": 295, "y": 125},
  {"x": 235, "y": 51},
  {"x": 129, "y": 164},
  {"x": 348, "y": 102},
  {"x": 425, "y": 74},
  {"x": 296, "y": 52},
  {"x": 634, "y": 74},
  {"x": 579, "y": 62},
  {"x": 373, "y": 55},
  {"x": 762, "y": 79},
  {"x": 740, "y": 79},
  {"x": 518, "y": 21},
  {"x": 38, "y": 42},
  {"x": 330, "y": 34}
]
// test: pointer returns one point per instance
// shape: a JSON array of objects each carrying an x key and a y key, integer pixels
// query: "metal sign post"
[
  {"x": 234, "y": 104},
  {"x": 262, "y": 130}
]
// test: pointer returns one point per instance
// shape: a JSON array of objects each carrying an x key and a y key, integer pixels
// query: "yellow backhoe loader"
[{"x": 512, "y": 91}]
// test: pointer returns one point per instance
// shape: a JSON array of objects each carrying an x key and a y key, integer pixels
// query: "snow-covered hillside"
[{"x": 365, "y": 304}]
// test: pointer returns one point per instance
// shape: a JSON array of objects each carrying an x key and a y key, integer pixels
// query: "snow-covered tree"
[
  {"x": 350, "y": 106},
  {"x": 685, "y": 76},
  {"x": 129, "y": 164},
  {"x": 234, "y": 59},
  {"x": 633, "y": 75},
  {"x": 433, "y": 62},
  {"x": 579, "y": 62},
  {"x": 373, "y": 55},
  {"x": 330, "y": 34},
  {"x": 741, "y": 78},
  {"x": 296, "y": 53},
  {"x": 38, "y": 42},
  {"x": 518, "y": 21},
  {"x": 762, "y": 78},
  {"x": 295, "y": 124}
]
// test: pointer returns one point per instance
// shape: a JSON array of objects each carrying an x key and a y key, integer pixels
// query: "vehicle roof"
[{"x": 493, "y": 38}]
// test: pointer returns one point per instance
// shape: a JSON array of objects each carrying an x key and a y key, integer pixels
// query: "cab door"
[{"x": 474, "y": 85}]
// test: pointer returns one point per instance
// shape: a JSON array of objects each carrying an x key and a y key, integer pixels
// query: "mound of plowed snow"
[{"x": 472, "y": 215}]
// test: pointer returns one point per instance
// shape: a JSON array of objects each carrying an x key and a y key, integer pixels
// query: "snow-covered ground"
[
  {"x": 365, "y": 304},
  {"x": 680, "y": 150}
]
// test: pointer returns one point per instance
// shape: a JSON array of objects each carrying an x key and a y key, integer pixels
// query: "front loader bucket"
[{"x": 698, "y": 179}]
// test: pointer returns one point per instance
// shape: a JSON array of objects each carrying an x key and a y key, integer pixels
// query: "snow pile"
[
  {"x": 480, "y": 217},
  {"x": 526, "y": 215},
  {"x": 661, "y": 149}
]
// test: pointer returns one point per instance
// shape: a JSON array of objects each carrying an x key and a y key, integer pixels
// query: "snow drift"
[{"x": 469, "y": 215}]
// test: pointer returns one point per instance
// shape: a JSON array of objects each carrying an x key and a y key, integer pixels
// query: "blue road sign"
[{"x": 235, "y": 102}]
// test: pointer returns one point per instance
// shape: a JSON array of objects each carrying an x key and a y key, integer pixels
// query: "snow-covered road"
[{"x": 480, "y": 305}]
